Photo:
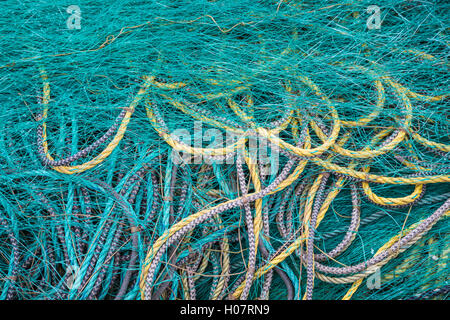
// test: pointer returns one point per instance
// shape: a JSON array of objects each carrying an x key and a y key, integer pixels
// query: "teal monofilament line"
[{"x": 122, "y": 123}]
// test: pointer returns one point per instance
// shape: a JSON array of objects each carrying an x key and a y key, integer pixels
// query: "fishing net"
[{"x": 224, "y": 150}]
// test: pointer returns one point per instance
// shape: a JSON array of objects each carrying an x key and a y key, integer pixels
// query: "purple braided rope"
[
  {"x": 310, "y": 241},
  {"x": 250, "y": 229},
  {"x": 399, "y": 244},
  {"x": 351, "y": 233}
]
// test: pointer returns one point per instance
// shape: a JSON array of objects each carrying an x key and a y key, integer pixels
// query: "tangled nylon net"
[{"x": 224, "y": 150}]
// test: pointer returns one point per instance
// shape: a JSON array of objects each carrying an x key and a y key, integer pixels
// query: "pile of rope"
[{"x": 225, "y": 150}]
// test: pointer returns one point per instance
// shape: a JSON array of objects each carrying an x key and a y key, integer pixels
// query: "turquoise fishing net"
[{"x": 73, "y": 236}]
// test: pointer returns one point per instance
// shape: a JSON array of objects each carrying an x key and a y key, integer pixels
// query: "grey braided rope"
[
  {"x": 15, "y": 258},
  {"x": 250, "y": 232},
  {"x": 351, "y": 232},
  {"x": 310, "y": 242},
  {"x": 400, "y": 244},
  {"x": 375, "y": 216},
  {"x": 374, "y": 267}
]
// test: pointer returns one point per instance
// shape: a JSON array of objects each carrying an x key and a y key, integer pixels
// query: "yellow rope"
[{"x": 109, "y": 148}]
